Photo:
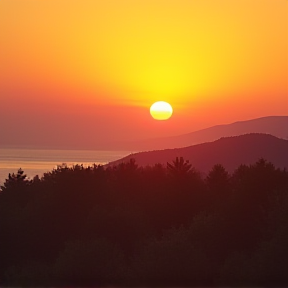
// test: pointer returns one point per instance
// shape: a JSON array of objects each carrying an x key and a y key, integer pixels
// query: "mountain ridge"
[
  {"x": 229, "y": 151},
  {"x": 273, "y": 125}
]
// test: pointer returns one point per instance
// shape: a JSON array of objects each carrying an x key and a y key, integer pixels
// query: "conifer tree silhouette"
[{"x": 179, "y": 167}]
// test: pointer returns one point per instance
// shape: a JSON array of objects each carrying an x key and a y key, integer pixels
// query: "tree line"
[{"x": 156, "y": 225}]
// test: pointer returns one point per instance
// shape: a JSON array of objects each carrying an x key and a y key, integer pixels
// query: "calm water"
[{"x": 36, "y": 162}]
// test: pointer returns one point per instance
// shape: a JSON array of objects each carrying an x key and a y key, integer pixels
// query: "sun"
[{"x": 161, "y": 110}]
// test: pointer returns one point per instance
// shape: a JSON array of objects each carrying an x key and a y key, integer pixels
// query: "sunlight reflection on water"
[{"x": 37, "y": 162}]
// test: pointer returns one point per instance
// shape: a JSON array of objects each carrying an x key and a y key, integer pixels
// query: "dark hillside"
[{"x": 229, "y": 151}]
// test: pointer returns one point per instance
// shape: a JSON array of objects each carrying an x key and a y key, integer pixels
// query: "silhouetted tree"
[
  {"x": 15, "y": 181},
  {"x": 218, "y": 179},
  {"x": 178, "y": 168}
]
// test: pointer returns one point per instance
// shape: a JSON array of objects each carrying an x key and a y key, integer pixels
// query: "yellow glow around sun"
[{"x": 161, "y": 110}]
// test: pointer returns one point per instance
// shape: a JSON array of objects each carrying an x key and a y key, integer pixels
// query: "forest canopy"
[{"x": 154, "y": 225}]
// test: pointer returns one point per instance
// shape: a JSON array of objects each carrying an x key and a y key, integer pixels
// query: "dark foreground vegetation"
[{"x": 162, "y": 226}]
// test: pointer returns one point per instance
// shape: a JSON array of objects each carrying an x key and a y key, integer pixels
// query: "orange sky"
[{"x": 79, "y": 71}]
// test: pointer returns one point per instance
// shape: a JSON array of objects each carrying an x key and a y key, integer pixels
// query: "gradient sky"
[{"x": 79, "y": 72}]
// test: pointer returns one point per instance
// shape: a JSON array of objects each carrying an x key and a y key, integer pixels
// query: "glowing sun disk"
[{"x": 161, "y": 110}]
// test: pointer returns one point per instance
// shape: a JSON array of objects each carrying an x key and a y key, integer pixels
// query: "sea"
[{"x": 38, "y": 161}]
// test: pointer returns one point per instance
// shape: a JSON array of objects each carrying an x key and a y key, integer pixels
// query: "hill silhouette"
[
  {"x": 229, "y": 151},
  {"x": 273, "y": 125}
]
